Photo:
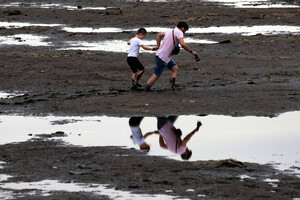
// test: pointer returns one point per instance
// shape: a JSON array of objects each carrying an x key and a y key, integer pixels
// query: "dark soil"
[{"x": 249, "y": 75}]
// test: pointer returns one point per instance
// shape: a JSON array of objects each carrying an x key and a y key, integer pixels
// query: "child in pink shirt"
[{"x": 163, "y": 59}]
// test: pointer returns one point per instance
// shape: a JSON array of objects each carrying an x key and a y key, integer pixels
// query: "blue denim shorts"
[
  {"x": 160, "y": 65},
  {"x": 161, "y": 121}
]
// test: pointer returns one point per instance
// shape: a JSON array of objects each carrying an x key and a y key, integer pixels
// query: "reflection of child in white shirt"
[{"x": 137, "y": 136}]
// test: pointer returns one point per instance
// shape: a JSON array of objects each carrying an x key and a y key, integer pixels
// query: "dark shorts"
[
  {"x": 161, "y": 65},
  {"x": 135, "y": 121},
  {"x": 134, "y": 64}
]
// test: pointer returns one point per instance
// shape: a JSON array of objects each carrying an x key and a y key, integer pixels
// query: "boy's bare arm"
[
  {"x": 147, "y": 48},
  {"x": 150, "y": 133}
]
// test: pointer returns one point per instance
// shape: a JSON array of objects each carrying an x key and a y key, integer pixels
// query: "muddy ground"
[
  {"x": 257, "y": 75},
  {"x": 250, "y": 75}
]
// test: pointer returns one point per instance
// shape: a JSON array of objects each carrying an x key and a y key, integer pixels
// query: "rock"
[
  {"x": 225, "y": 42},
  {"x": 230, "y": 163},
  {"x": 12, "y": 12}
]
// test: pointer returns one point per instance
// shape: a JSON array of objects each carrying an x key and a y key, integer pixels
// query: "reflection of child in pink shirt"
[{"x": 170, "y": 138}]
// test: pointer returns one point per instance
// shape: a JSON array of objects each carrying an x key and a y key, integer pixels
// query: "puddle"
[
  {"x": 24, "y": 39},
  {"x": 272, "y": 182},
  {"x": 51, "y": 6},
  {"x": 4, "y": 177},
  {"x": 46, "y": 187},
  {"x": 1, "y": 163},
  {"x": 243, "y": 30},
  {"x": 252, "y": 3},
  {"x": 249, "y": 30},
  {"x": 92, "y": 30},
  {"x": 242, "y": 177},
  {"x": 10, "y": 25},
  {"x": 5, "y": 95},
  {"x": 248, "y": 139},
  {"x": 119, "y": 46},
  {"x": 230, "y": 3},
  {"x": 241, "y": 3}
]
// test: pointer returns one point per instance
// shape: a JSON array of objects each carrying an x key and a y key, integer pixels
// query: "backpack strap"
[{"x": 173, "y": 37}]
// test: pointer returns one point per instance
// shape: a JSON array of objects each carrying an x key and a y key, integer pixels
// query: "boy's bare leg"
[
  {"x": 139, "y": 75},
  {"x": 134, "y": 78}
]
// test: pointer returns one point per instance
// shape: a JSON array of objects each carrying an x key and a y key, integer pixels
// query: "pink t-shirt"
[
  {"x": 170, "y": 138},
  {"x": 165, "y": 50}
]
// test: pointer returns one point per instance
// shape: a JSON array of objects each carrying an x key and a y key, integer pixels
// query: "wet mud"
[
  {"x": 132, "y": 170},
  {"x": 241, "y": 75},
  {"x": 246, "y": 75}
]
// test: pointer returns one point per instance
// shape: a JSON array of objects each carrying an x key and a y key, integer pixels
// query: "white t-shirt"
[
  {"x": 137, "y": 135},
  {"x": 135, "y": 44},
  {"x": 165, "y": 50}
]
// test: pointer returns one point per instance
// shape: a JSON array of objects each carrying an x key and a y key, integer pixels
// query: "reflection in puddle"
[
  {"x": 4, "y": 95},
  {"x": 253, "y": 3},
  {"x": 272, "y": 182},
  {"x": 249, "y": 30},
  {"x": 231, "y": 3},
  {"x": 92, "y": 30},
  {"x": 51, "y": 5},
  {"x": 119, "y": 46},
  {"x": 46, "y": 187},
  {"x": 241, "y": 3},
  {"x": 1, "y": 167},
  {"x": 24, "y": 39},
  {"x": 242, "y": 177},
  {"x": 243, "y": 30},
  {"x": 10, "y": 25},
  {"x": 247, "y": 139}
]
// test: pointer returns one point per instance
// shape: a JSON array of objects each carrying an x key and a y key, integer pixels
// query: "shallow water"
[
  {"x": 231, "y": 3},
  {"x": 10, "y": 25},
  {"x": 249, "y": 139},
  {"x": 45, "y": 187},
  {"x": 253, "y": 3},
  {"x": 50, "y": 6},
  {"x": 24, "y": 39},
  {"x": 5, "y": 95},
  {"x": 238, "y": 3},
  {"x": 242, "y": 30},
  {"x": 120, "y": 46}
]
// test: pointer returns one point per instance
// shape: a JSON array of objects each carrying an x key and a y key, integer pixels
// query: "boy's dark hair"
[
  {"x": 142, "y": 31},
  {"x": 183, "y": 24}
]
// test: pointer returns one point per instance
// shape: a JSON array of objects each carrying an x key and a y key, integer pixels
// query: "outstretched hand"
[{"x": 198, "y": 125}]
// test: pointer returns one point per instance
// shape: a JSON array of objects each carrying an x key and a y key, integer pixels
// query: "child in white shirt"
[{"x": 132, "y": 60}]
